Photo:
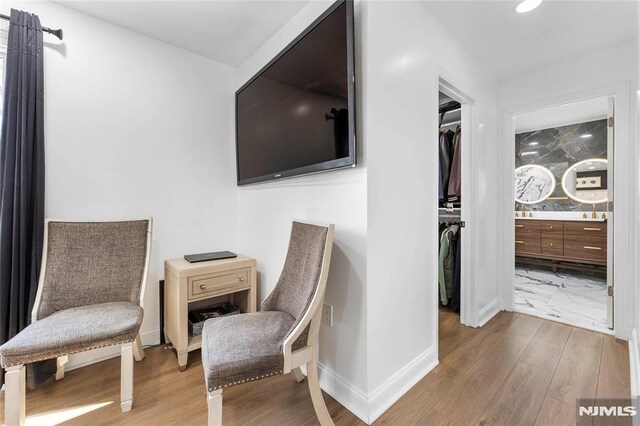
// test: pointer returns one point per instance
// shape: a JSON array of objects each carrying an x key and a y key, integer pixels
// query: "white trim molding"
[
  {"x": 489, "y": 311},
  {"x": 369, "y": 408},
  {"x": 346, "y": 394},
  {"x": 634, "y": 364},
  {"x": 400, "y": 383}
]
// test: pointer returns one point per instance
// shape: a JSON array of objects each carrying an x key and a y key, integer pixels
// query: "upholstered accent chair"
[
  {"x": 283, "y": 335},
  {"x": 89, "y": 296}
]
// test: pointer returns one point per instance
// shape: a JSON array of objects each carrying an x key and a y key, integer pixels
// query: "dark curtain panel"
[{"x": 21, "y": 174}]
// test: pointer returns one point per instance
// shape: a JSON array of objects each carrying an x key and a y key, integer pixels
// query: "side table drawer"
[{"x": 206, "y": 285}]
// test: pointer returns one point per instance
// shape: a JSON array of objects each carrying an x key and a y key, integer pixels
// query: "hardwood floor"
[{"x": 515, "y": 370}]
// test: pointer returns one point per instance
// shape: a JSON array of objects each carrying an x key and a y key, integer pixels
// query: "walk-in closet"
[{"x": 450, "y": 227}]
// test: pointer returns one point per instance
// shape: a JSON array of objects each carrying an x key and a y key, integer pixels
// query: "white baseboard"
[
  {"x": 488, "y": 312},
  {"x": 346, "y": 394},
  {"x": 634, "y": 369},
  {"x": 82, "y": 359},
  {"x": 368, "y": 409},
  {"x": 400, "y": 383},
  {"x": 634, "y": 364}
]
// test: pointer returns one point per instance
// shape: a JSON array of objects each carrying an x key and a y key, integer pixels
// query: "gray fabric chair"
[
  {"x": 283, "y": 335},
  {"x": 89, "y": 296}
]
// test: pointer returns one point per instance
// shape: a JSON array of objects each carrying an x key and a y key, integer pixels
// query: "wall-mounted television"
[{"x": 297, "y": 115}]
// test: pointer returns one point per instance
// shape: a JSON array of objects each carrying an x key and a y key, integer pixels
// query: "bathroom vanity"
[{"x": 577, "y": 244}]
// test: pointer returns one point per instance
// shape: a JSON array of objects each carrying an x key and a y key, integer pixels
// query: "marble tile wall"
[{"x": 557, "y": 149}]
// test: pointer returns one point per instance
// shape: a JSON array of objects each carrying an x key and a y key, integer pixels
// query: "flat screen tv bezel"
[{"x": 339, "y": 163}]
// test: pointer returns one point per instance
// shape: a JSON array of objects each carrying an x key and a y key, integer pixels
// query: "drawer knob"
[
  {"x": 240, "y": 278},
  {"x": 203, "y": 287},
  {"x": 551, "y": 244},
  {"x": 592, "y": 248}
]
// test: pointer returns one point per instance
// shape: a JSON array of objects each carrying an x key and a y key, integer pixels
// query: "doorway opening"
[
  {"x": 563, "y": 180},
  {"x": 454, "y": 294}
]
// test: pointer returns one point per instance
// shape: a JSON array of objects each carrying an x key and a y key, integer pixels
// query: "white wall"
[
  {"x": 265, "y": 213},
  {"x": 137, "y": 128},
  {"x": 612, "y": 71},
  {"x": 406, "y": 55}
]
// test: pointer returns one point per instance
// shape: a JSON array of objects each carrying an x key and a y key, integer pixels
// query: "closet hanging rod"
[{"x": 57, "y": 33}]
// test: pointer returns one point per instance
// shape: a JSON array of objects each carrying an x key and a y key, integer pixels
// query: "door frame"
[
  {"x": 623, "y": 196},
  {"x": 469, "y": 314}
]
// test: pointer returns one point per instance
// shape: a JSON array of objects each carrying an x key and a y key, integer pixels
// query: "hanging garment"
[
  {"x": 440, "y": 189},
  {"x": 454, "y": 187},
  {"x": 446, "y": 263},
  {"x": 445, "y": 160},
  {"x": 455, "y": 297},
  {"x": 444, "y": 252},
  {"x": 450, "y": 259}
]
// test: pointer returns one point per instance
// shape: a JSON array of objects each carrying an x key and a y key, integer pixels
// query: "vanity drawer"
[
  {"x": 549, "y": 226},
  {"x": 552, "y": 244},
  {"x": 527, "y": 226},
  {"x": 586, "y": 229},
  {"x": 527, "y": 243},
  {"x": 207, "y": 285},
  {"x": 579, "y": 247}
]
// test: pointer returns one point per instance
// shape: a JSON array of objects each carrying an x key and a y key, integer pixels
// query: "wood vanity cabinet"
[{"x": 562, "y": 241}]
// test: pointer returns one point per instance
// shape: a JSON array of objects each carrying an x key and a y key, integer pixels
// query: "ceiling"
[
  {"x": 562, "y": 115},
  {"x": 225, "y": 31},
  {"x": 509, "y": 44}
]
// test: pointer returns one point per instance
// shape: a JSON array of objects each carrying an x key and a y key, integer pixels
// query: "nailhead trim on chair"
[
  {"x": 243, "y": 381},
  {"x": 32, "y": 360}
]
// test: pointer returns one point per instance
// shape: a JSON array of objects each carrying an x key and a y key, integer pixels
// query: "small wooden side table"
[{"x": 191, "y": 286}]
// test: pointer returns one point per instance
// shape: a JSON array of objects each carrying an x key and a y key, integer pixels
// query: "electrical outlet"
[{"x": 327, "y": 314}]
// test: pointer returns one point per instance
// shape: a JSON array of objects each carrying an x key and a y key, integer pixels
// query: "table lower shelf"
[{"x": 194, "y": 342}]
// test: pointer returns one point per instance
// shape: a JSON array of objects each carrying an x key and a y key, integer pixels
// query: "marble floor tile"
[{"x": 569, "y": 297}]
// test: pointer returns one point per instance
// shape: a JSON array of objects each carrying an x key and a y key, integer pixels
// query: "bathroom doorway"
[{"x": 563, "y": 200}]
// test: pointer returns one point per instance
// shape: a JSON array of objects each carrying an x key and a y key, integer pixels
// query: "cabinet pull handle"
[
  {"x": 519, "y": 226},
  {"x": 591, "y": 229},
  {"x": 519, "y": 242},
  {"x": 203, "y": 287},
  {"x": 240, "y": 278},
  {"x": 592, "y": 248}
]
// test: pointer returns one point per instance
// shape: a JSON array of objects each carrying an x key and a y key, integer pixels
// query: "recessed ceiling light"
[
  {"x": 528, "y": 5},
  {"x": 529, "y": 153},
  {"x": 533, "y": 143},
  {"x": 586, "y": 135}
]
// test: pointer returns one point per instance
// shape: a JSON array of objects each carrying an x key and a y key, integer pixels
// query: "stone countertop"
[{"x": 572, "y": 219}]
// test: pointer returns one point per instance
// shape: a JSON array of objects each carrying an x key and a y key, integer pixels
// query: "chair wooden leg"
[
  {"x": 214, "y": 408},
  {"x": 316, "y": 393},
  {"x": 15, "y": 392},
  {"x": 126, "y": 377},
  {"x": 61, "y": 361},
  {"x": 138, "y": 350},
  {"x": 297, "y": 374}
]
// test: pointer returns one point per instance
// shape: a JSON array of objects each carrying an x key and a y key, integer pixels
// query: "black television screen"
[{"x": 297, "y": 115}]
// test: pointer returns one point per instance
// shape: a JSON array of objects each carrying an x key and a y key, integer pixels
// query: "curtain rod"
[{"x": 57, "y": 33}]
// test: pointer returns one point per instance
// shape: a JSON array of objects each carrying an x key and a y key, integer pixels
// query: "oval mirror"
[
  {"x": 586, "y": 181},
  {"x": 534, "y": 184}
]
